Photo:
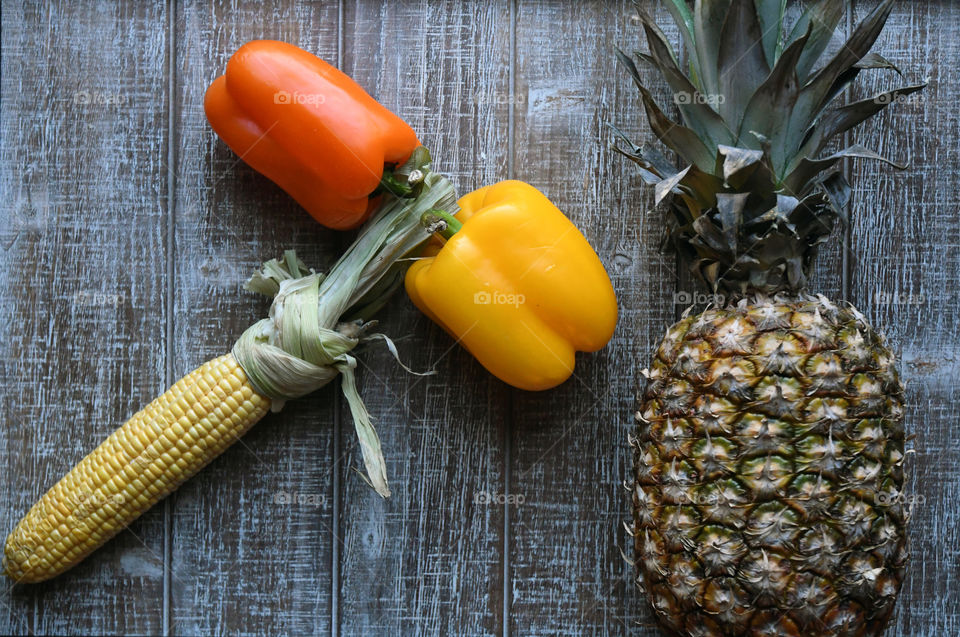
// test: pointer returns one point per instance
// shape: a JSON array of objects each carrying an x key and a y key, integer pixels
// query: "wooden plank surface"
[
  {"x": 252, "y": 536},
  {"x": 569, "y": 452},
  {"x": 430, "y": 558},
  {"x": 82, "y": 279},
  {"x": 905, "y": 276},
  {"x": 280, "y": 535}
]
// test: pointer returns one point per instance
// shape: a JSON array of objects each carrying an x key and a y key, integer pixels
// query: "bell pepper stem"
[
  {"x": 402, "y": 181},
  {"x": 396, "y": 187},
  {"x": 317, "y": 320},
  {"x": 440, "y": 222}
]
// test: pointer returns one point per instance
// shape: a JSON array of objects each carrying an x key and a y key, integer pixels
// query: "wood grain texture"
[
  {"x": 280, "y": 535},
  {"x": 569, "y": 445},
  {"x": 252, "y": 536},
  {"x": 906, "y": 279},
  {"x": 429, "y": 559},
  {"x": 83, "y": 345}
]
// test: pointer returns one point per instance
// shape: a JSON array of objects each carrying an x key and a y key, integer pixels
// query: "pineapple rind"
[{"x": 769, "y": 472}]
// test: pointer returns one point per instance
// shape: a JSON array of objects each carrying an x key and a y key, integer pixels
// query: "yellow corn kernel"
[{"x": 140, "y": 463}]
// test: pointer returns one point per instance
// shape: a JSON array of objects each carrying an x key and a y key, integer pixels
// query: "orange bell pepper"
[
  {"x": 517, "y": 285},
  {"x": 309, "y": 128}
]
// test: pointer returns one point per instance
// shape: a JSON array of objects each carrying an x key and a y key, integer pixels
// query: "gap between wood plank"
[
  {"x": 336, "y": 487},
  {"x": 846, "y": 266},
  {"x": 508, "y": 420},
  {"x": 170, "y": 287}
]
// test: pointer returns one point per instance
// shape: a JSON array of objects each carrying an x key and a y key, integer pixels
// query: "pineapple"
[{"x": 768, "y": 464}]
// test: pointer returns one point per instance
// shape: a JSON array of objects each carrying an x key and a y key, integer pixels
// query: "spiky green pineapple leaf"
[
  {"x": 807, "y": 223},
  {"x": 708, "y": 20},
  {"x": 786, "y": 205},
  {"x": 709, "y": 236},
  {"x": 653, "y": 32},
  {"x": 699, "y": 186},
  {"x": 871, "y": 61},
  {"x": 821, "y": 21},
  {"x": 751, "y": 213},
  {"x": 876, "y": 61},
  {"x": 739, "y": 164},
  {"x": 748, "y": 171},
  {"x": 759, "y": 224},
  {"x": 821, "y": 88},
  {"x": 840, "y": 120},
  {"x": 684, "y": 21},
  {"x": 837, "y": 191},
  {"x": 703, "y": 185},
  {"x": 730, "y": 207},
  {"x": 677, "y": 137},
  {"x": 697, "y": 114},
  {"x": 781, "y": 88},
  {"x": 658, "y": 158},
  {"x": 669, "y": 185},
  {"x": 649, "y": 177},
  {"x": 741, "y": 64},
  {"x": 651, "y": 157},
  {"x": 806, "y": 169},
  {"x": 770, "y": 14},
  {"x": 682, "y": 17}
]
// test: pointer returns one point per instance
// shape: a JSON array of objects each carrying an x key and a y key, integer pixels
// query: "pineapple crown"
[{"x": 756, "y": 196}]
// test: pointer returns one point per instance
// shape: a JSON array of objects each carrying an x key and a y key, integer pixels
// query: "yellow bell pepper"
[{"x": 517, "y": 285}]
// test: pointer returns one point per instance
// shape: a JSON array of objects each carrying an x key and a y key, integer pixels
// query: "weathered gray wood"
[
  {"x": 905, "y": 277},
  {"x": 569, "y": 454},
  {"x": 428, "y": 560},
  {"x": 252, "y": 535},
  {"x": 82, "y": 278},
  {"x": 84, "y": 191}
]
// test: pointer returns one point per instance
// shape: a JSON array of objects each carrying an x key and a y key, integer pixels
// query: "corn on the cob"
[
  {"x": 303, "y": 345},
  {"x": 145, "y": 460}
]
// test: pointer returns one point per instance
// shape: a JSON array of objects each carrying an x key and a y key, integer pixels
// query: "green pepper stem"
[
  {"x": 367, "y": 274},
  {"x": 305, "y": 342},
  {"x": 402, "y": 181},
  {"x": 396, "y": 187},
  {"x": 440, "y": 222}
]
